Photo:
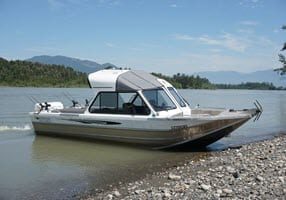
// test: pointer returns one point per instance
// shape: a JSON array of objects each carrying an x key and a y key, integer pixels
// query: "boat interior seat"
[
  {"x": 128, "y": 108},
  {"x": 142, "y": 110}
]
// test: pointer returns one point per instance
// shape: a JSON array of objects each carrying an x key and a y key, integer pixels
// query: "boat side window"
[
  {"x": 178, "y": 98},
  {"x": 138, "y": 101},
  {"x": 140, "y": 107},
  {"x": 108, "y": 102},
  {"x": 119, "y": 103},
  {"x": 159, "y": 99}
]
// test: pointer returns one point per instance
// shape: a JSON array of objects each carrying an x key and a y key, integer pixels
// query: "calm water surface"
[{"x": 41, "y": 167}]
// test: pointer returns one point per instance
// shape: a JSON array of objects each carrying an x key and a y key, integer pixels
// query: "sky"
[{"x": 166, "y": 36}]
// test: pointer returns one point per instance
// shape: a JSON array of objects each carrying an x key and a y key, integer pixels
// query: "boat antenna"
[
  {"x": 45, "y": 105},
  {"x": 69, "y": 97},
  {"x": 31, "y": 99}
]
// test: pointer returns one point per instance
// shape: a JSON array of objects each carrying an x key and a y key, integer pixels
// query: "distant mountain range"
[
  {"x": 225, "y": 77},
  {"x": 77, "y": 64},
  {"x": 233, "y": 77}
]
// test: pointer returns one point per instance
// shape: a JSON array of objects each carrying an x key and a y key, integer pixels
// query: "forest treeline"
[
  {"x": 183, "y": 81},
  {"x": 29, "y": 74},
  {"x": 250, "y": 86}
]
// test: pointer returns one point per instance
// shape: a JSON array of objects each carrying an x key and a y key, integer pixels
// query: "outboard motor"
[{"x": 48, "y": 106}]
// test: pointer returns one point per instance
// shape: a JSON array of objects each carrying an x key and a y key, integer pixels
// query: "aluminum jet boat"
[{"x": 133, "y": 106}]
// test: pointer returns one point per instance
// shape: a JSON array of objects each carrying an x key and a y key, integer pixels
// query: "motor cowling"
[{"x": 48, "y": 106}]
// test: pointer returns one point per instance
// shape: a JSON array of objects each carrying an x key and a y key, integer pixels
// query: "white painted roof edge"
[{"x": 105, "y": 79}]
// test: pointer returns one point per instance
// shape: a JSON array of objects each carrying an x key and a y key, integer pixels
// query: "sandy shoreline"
[{"x": 254, "y": 171}]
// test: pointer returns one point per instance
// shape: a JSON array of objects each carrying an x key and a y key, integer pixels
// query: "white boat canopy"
[{"x": 123, "y": 80}]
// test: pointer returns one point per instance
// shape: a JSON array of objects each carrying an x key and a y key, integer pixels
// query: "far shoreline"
[{"x": 86, "y": 87}]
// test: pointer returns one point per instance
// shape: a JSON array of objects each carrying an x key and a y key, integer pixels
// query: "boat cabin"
[{"x": 134, "y": 92}]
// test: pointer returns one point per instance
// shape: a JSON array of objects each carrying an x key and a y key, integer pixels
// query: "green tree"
[
  {"x": 24, "y": 73},
  {"x": 183, "y": 81},
  {"x": 282, "y": 59}
]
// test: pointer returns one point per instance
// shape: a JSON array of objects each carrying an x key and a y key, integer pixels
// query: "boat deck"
[
  {"x": 209, "y": 111},
  {"x": 70, "y": 110}
]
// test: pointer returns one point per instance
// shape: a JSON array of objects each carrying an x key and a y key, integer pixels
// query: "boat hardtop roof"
[{"x": 123, "y": 80}]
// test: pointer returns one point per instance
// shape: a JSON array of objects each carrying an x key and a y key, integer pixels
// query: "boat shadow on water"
[
  {"x": 95, "y": 143},
  {"x": 101, "y": 163}
]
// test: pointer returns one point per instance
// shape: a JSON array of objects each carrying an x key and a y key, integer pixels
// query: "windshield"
[
  {"x": 178, "y": 98},
  {"x": 159, "y": 100}
]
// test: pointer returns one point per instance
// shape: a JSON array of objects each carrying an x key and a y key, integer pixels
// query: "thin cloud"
[
  {"x": 245, "y": 31},
  {"x": 230, "y": 62},
  {"x": 43, "y": 49},
  {"x": 251, "y": 3},
  {"x": 64, "y": 4},
  {"x": 254, "y": 52},
  {"x": 215, "y": 50},
  {"x": 225, "y": 40},
  {"x": 183, "y": 37},
  {"x": 56, "y": 4},
  {"x": 149, "y": 45},
  {"x": 173, "y": 5},
  {"x": 249, "y": 23},
  {"x": 276, "y": 30},
  {"x": 123, "y": 47},
  {"x": 107, "y": 2},
  {"x": 216, "y": 61},
  {"x": 235, "y": 42},
  {"x": 207, "y": 40},
  {"x": 111, "y": 45},
  {"x": 135, "y": 49}
]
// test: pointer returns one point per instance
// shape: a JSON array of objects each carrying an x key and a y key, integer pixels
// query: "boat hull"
[
  {"x": 208, "y": 138},
  {"x": 201, "y": 133}
]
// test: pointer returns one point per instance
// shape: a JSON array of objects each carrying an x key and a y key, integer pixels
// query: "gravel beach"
[{"x": 252, "y": 171}]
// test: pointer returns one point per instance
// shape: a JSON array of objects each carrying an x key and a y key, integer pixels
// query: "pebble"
[
  {"x": 230, "y": 169},
  {"x": 116, "y": 193},
  {"x": 109, "y": 196},
  {"x": 281, "y": 178},
  {"x": 227, "y": 191},
  {"x": 259, "y": 178},
  {"x": 174, "y": 177},
  {"x": 239, "y": 154},
  {"x": 205, "y": 187},
  {"x": 167, "y": 195},
  {"x": 218, "y": 191},
  {"x": 235, "y": 174},
  {"x": 138, "y": 191}
]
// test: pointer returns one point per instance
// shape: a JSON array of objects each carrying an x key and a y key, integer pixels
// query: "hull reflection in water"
[{"x": 97, "y": 164}]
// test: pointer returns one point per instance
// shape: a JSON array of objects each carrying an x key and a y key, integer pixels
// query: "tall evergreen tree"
[{"x": 282, "y": 59}]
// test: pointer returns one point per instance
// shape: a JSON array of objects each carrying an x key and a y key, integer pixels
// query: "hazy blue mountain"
[
  {"x": 226, "y": 77},
  {"x": 232, "y": 77},
  {"x": 77, "y": 64}
]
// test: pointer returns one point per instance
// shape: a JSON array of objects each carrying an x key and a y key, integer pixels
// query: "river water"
[{"x": 39, "y": 167}]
